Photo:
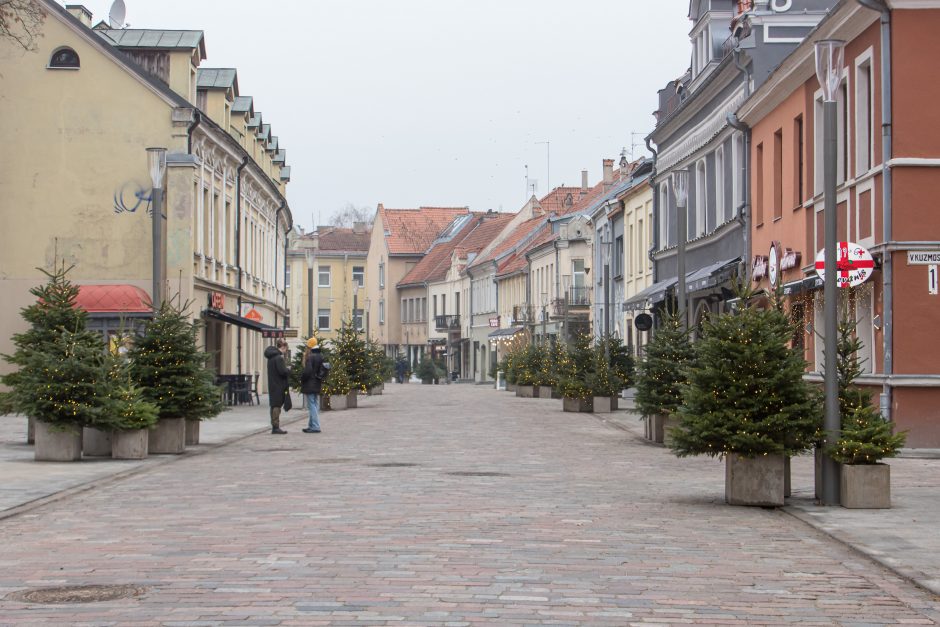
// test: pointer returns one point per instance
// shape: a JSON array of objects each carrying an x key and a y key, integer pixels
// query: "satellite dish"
[{"x": 117, "y": 14}]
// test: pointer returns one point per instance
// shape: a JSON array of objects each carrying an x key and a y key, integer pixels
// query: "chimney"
[
  {"x": 608, "y": 171},
  {"x": 80, "y": 12},
  {"x": 359, "y": 227},
  {"x": 584, "y": 179}
]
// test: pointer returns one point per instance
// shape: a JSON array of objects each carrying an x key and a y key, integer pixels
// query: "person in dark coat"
[
  {"x": 278, "y": 382},
  {"x": 311, "y": 383}
]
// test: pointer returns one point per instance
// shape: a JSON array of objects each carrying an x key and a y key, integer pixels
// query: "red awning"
[{"x": 113, "y": 299}]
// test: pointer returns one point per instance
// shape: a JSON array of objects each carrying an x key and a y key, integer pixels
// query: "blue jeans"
[{"x": 313, "y": 408}]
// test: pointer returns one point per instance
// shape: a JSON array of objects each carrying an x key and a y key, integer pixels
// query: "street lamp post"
[
  {"x": 829, "y": 57},
  {"x": 680, "y": 186},
  {"x": 156, "y": 160},
  {"x": 311, "y": 258}
]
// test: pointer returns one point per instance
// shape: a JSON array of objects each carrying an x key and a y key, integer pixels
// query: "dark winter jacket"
[
  {"x": 310, "y": 379},
  {"x": 278, "y": 375}
]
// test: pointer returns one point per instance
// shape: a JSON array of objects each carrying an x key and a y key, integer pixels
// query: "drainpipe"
[
  {"x": 887, "y": 269},
  {"x": 558, "y": 290},
  {"x": 743, "y": 211},
  {"x": 277, "y": 216},
  {"x": 197, "y": 118},
  {"x": 656, "y": 243},
  {"x": 238, "y": 255}
]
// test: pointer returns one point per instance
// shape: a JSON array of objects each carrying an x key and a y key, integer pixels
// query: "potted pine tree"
[
  {"x": 866, "y": 437},
  {"x": 604, "y": 381},
  {"x": 574, "y": 373},
  {"x": 337, "y": 386},
  {"x": 660, "y": 376},
  {"x": 746, "y": 401},
  {"x": 59, "y": 367},
  {"x": 125, "y": 414},
  {"x": 528, "y": 374}
]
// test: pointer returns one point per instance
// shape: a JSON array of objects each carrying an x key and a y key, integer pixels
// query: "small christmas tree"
[
  {"x": 123, "y": 407},
  {"x": 604, "y": 379},
  {"x": 577, "y": 368},
  {"x": 59, "y": 362},
  {"x": 745, "y": 393},
  {"x": 168, "y": 365},
  {"x": 662, "y": 371},
  {"x": 866, "y": 436},
  {"x": 350, "y": 348}
]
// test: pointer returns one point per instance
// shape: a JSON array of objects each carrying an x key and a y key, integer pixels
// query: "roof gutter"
[{"x": 744, "y": 210}]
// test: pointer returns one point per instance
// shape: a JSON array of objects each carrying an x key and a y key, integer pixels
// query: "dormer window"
[{"x": 64, "y": 59}]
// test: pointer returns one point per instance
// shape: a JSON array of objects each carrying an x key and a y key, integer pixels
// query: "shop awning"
[
  {"x": 266, "y": 330},
  {"x": 507, "y": 332},
  {"x": 803, "y": 285},
  {"x": 645, "y": 299},
  {"x": 114, "y": 300},
  {"x": 711, "y": 275}
]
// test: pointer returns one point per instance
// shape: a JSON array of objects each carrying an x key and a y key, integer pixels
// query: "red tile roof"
[
  {"x": 512, "y": 240},
  {"x": 340, "y": 239},
  {"x": 472, "y": 238},
  {"x": 412, "y": 231}
]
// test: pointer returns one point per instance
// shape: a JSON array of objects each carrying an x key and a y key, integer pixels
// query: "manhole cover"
[
  {"x": 76, "y": 594},
  {"x": 477, "y": 474},
  {"x": 393, "y": 465}
]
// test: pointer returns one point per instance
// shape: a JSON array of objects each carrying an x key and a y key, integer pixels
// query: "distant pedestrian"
[
  {"x": 400, "y": 370},
  {"x": 278, "y": 382},
  {"x": 311, "y": 383}
]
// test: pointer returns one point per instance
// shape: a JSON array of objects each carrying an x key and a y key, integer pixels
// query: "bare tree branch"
[
  {"x": 350, "y": 214},
  {"x": 21, "y": 22}
]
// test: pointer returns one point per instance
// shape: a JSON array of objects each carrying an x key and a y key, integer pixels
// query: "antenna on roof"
[{"x": 117, "y": 14}]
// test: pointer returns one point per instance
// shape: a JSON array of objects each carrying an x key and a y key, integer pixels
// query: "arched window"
[{"x": 64, "y": 58}]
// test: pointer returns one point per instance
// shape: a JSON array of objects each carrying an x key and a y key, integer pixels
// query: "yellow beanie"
[{"x": 312, "y": 342}]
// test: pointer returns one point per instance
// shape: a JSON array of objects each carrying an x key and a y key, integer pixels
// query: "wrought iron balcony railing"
[{"x": 447, "y": 323}]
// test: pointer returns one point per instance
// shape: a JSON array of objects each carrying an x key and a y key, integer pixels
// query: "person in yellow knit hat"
[{"x": 311, "y": 383}]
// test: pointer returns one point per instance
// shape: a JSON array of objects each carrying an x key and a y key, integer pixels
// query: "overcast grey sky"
[{"x": 438, "y": 102}]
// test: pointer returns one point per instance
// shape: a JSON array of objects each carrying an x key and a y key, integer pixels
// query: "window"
[
  {"x": 359, "y": 276},
  {"x": 798, "y": 161},
  {"x": 357, "y": 319},
  {"x": 618, "y": 254},
  {"x": 700, "y": 198},
  {"x": 323, "y": 319},
  {"x": 759, "y": 184},
  {"x": 434, "y": 304},
  {"x": 778, "y": 174},
  {"x": 381, "y": 275},
  {"x": 842, "y": 100},
  {"x": 819, "y": 126},
  {"x": 64, "y": 59},
  {"x": 721, "y": 214},
  {"x": 404, "y": 310},
  {"x": 324, "y": 274},
  {"x": 381, "y": 312},
  {"x": 663, "y": 215},
  {"x": 287, "y": 278},
  {"x": 863, "y": 117}
]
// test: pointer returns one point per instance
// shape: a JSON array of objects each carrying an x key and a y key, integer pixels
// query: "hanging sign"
[
  {"x": 643, "y": 322},
  {"x": 758, "y": 267},
  {"x": 494, "y": 323},
  {"x": 773, "y": 265},
  {"x": 249, "y": 311},
  {"x": 789, "y": 259},
  {"x": 217, "y": 300},
  {"x": 854, "y": 264}
]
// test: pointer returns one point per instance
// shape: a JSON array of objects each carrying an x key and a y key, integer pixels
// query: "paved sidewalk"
[
  {"x": 28, "y": 483},
  {"x": 905, "y": 538}
]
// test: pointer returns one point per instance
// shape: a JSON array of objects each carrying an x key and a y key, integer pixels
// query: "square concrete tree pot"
[
  {"x": 865, "y": 486},
  {"x": 30, "y": 430},
  {"x": 192, "y": 431},
  {"x": 601, "y": 404},
  {"x": 377, "y": 390},
  {"x": 56, "y": 444},
  {"x": 577, "y": 404},
  {"x": 754, "y": 481},
  {"x": 130, "y": 444},
  {"x": 168, "y": 437},
  {"x": 669, "y": 423},
  {"x": 526, "y": 391},
  {"x": 352, "y": 400},
  {"x": 655, "y": 427},
  {"x": 96, "y": 443},
  {"x": 545, "y": 391},
  {"x": 511, "y": 387},
  {"x": 338, "y": 401}
]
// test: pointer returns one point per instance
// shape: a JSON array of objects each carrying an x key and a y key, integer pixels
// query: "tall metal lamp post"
[
  {"x": 680, "y": 187},
  {"x": 829, "y": 58},
  {"x": 311, "y": 256},
  {"x": 156, "y": 161}
]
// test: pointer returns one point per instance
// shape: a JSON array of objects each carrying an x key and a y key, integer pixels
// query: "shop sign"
[
  {"x": 758, "y": 267},
  {"x": 494, "y": 323},
  {"x": 643, "y": 322},
  {"x": 217, "y": 300},
  {"x": 854, "y": 264},
  {"x": 789, "y": 259},
  {"x": 773, "y": 265},
  {"x": 923, "y": 257},
  {"x": 249, "y": 311}
]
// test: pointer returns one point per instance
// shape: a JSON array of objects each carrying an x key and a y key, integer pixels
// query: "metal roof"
[
  {"x": 242, "y": 104},
  {"x": 216, "y": 78},
  {"x": 156, "y": 39},
  {"x": 285, "y": 173},
  {"x": 280, "y": 156},
  {"x": 255, "y": 120}
]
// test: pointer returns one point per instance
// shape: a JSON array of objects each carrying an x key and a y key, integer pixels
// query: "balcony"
[
  {"x": 522, "y": 314},
  {"x": 577, "y": 300},
  {"x": 447, "y": 323}
]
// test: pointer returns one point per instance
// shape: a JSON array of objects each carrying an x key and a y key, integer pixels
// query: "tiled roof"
[
  {"x": 336, "y": 239},
  {"x": 216, "y": 78},
  {"x": 517, "y": 261},
  {"x": 557, "y": 200},
  {"x": 472, "y": 238},
  {"x": 512, "y": 241},
  {"x": 412, "y": 231}
]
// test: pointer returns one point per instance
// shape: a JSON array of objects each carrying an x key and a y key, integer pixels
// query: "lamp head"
[
  {"x": 156, "y": 161},
  {"x": 829, "y": 58},
  {"x": 680, "y": 186}
]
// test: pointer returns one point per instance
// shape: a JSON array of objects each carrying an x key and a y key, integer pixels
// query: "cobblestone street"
[{"x": 440, "y": 505}]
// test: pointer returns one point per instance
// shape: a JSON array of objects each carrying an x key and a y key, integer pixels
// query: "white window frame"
[
  {"x": 381, "y": 312},
  {"x": 663, "y": 215},
  {"x": 359, "y": 280},
  {"x": 864, "y": 107},
  {"x": 720, "y": 209},
  {"x": 701, "y": 197},
  {"x": 382, "y": 275},
  {"x": 320, "y": 316},
  {"x": 329, "y": 276}
]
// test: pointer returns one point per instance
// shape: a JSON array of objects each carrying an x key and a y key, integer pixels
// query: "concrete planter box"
[
  {"x": 669, "y": 423},
  {"x": 545, "y": 391},
  {"x": 54, "y": 445},
  {"x": 377, "y": 390},
  {"x": 192, "y": 432},
  {"x": 168, "y": 437},
  {"x": 556, "y": 393},
  {"x": 510, "y": 387},
  {"x": 654, "y": 427},
  {"x": 602, "y": 404},
  {"x": 526, "y": 391},
  {"x": 577, "y": 404},
  {"x": 614, "y": 403},
  {"x": 130, "y": 444},
  {"x": 30, "y": 430},
  {"x": 96, "y": 443},
  {"x": 338, "y": 401},
  {"x": 758, "y": 481},
  {"x": 352, "y": 400},
  {"x": 865, "y": 486}
]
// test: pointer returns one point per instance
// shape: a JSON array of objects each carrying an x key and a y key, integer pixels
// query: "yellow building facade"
[{"x": 80, "y": 111}]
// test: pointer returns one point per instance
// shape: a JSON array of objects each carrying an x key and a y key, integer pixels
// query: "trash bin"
[{"x": 453, "y": 375}]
